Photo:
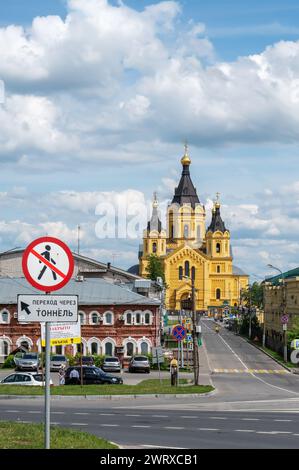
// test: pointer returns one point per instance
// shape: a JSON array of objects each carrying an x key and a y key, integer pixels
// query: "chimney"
[{"x": 108, "y": 266}]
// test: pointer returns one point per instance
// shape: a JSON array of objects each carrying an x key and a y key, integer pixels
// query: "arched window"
[
  {"x": 186, "y": 231},
  {"x": 218, "y": 247},
  {"x": 94, "y": 318},
  {"x": 180, "y": 273},
  {"x": 108, "y": 318},
  {"x": 147, "y": 318},
  {"x": 137, "y": 318},
  {"x": 187, "y": 269},
  {"x": 218, "y": 294},
  {"x": 94, "y": 348},
  {"x": 144, "y": 348},
  {"x": 154, "y": 247},
  {"x": 82, "y": 318},
  {"x": 193, "y": 272},
  {"x": 24, "y": 344},
  {"x": 129, "y": 318},
  {"x": 218, "y": 269},
  {"x": 108, "y": 349},
  {"x": 4, "y": 348},
  {"x": 130, "y": 349}
]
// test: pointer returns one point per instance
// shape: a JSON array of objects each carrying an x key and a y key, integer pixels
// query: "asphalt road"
[{"x": 256, "y": 405}]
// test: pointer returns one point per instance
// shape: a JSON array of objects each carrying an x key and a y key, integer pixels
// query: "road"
[{"x": 256, "y": 405}]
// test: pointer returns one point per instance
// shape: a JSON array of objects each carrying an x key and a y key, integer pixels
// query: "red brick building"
[{"x": 114, "y": 320}]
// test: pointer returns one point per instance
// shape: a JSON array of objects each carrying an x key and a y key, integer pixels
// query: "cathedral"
[{"x": 190, "y": 251}]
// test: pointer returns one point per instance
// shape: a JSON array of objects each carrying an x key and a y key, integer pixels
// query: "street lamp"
[
  {"x": 194, "y": 337},
  {"x": 283, "y": 310}
]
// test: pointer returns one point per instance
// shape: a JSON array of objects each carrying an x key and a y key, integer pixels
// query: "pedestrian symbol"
[{"x": 48, "y": 264}]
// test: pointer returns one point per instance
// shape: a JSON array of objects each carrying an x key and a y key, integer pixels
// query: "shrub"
[
  {"x": 9, "y": 362},
  {"x": 99, "y": 359}
]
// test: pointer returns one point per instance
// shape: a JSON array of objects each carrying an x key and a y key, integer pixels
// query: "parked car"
[
  {"x": 29, "y": 361},
  {"x": 86, "y": 361},
  {"x": 57, "y": 361},
  {"x": 140, "y": 364},
  {"x": 24, "y": 378},
  {"x": 91, "y": 376},
  {"x": 111, "y": 364}
]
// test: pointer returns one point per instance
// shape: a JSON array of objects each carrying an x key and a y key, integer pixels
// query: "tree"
[
  {"x": 155, "y": 268},
  {"x": 253, "y": 295},
  {"x": 293, "y": 333}
]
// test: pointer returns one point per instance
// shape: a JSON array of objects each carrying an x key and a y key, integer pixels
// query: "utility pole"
[
  {"x": 249, "y": 333},
  {"x": 194, "y": 337}
]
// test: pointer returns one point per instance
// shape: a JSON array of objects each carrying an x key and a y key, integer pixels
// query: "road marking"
[
  {"x": 135, "y": 416},
  {"x": 58, "y": 412},
  {"x": 110, "y": 425},
  {"x": 140, "y": 426},
  {"x": 250, "y": 419},
  {"x": 79, "y": 413},
  {"x": 216, "y": 417},
  {"x": 208, "y": 429},
  {"x": 281, "y": 432},
  {"x": 264, "y": 432},
  {"x": 11, "y": 411},
  {"x": 55, "y": 423},
  {"x": 189, "y": 417},
  {"x": 244, "y": 430},
  {"x": 108, "y": 414},
  {"x": 249, "y": 371},
  {"x": 34, "y": 412},
  {"x": 283, "y": 420},
  {"x": 159, "y": 416},
  {"x": 79, "y": 424},
  {"x": 173, "y": 427}
]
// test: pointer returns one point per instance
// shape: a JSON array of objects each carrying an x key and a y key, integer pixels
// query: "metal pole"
[
  {"x": 194, "y": 337},
  {"x": 47, "y": 388},
  {"x": 249, "y": 333}
]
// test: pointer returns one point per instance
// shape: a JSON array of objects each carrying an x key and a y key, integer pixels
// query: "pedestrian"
[
  {"x": 62, "y": 375},
  {"x": 74, "y": 377}
]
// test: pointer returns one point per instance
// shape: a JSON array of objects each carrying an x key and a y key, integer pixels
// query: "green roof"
[{"x": 275, "y": 279}]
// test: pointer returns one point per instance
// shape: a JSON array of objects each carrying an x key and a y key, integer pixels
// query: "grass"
[
  {"x": 31, "y": 436},
  {"x": 151, "y": 386},
  {"x": 279, "y": 358}
]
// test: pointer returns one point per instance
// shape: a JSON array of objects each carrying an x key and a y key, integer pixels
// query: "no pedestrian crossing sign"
[
  {"x": 48, "y": 264},
  {"x": 179, "y": 332}
]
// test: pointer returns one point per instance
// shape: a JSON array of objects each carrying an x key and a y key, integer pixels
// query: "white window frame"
[
  {"x": 4, "y": 310},
  {"x": 94, "y": 312},
  {"x": 112, "y": 318}
]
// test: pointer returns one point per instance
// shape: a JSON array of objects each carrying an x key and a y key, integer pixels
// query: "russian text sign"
[{"x": 47, "y": 308}]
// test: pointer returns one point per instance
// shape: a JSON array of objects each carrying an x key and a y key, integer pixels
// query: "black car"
[
  {"x": 91, "y": 376},
  {"x": 86, "y": 361}
]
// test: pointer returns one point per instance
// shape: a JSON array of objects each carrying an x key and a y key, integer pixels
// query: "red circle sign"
[{"x": 48, "y": 264}]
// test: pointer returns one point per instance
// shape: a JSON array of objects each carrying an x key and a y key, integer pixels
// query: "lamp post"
[
  {"x": 283, "y": 311},
  {"x": 194, "y": 337}
]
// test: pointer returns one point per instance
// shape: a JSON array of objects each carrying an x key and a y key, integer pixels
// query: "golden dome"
[{"x": 186, "y": 160}]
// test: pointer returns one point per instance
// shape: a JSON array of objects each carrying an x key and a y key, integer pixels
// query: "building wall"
[
  {"x": 273, "y": 298},
  {"x": 118, "y": 333}
]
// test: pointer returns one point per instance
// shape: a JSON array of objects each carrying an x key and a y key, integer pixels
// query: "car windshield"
[
  {"x": 99, "y": 371},
  {"x": 58, "y": 358},
  {"x": 111, "y": 359},
  {"x": 38, "y": 377},
  {"x": 140, "y": 358},
  {"x": 29, "y": 356}
]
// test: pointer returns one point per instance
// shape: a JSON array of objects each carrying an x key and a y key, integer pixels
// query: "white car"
[{"x": 24, "y": 378}]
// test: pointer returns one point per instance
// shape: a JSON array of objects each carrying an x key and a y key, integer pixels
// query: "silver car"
[
  {"x": 111, "y": 364},
  {"x": 29, "y": 361},
  {"x": 57, "y": 361},
  {"x": 25, "y": 378},
  {"x": 139, "y": 364}
]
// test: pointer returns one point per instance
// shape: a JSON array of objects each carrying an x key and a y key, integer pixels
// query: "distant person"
[{"x": 74, "y": 377}]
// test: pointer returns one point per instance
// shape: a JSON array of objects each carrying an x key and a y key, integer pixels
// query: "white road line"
[
  {"x": 139, "y": 426},
  {"x": 208, "y": 429},
  {"x": 110, "y": 425},
  {"x": 34, "y": 412},
  {"x": 108, "y": 414},
  {"x": 58, "y": 412},
  {"x": 148, "y": 446},
  {"x": 173, "y": 427},
  {"x": 264, "y": 432},
  {"x": 281, "y": 432},
  {"x": 77, "y": 413},
  {"x": 189, "y": 417},
  {"x": 159, "y": 416},
  {"x": 55, "y": 423},
  {"x": 283, "y": 420},
  {"x": 134, "y": 416},
  {"x": 217, "y": 417},
  {"x": 250, "y": 419},
  {"x": 11, "y": 411}
]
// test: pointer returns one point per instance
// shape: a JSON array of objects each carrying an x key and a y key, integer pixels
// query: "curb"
[
  {"x": 292, "y": 371},
  {"x": 108, "y": 397}
]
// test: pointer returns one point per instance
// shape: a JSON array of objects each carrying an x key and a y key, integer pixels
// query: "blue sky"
[{"x": 100, "y": 99}]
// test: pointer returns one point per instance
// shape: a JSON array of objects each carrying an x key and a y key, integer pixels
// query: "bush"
[
  {"x": 99, "y": 359},
  {"x": 9, "y": 363},
  {"x": 163, "y": 366}
]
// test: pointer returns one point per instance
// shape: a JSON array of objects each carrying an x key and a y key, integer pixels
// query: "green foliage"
[
  {"x": 71, "y": 359},
  {"x": 293, "y": 333},
  {"x": 99, "y": 359},
  {"x": 163, "y": 366},
  {"x": 155, "y": 268},
  {"x": 9, "y": 363},
  {"x": 244, "y": 326},
  {"x": 253, "y": 295}
]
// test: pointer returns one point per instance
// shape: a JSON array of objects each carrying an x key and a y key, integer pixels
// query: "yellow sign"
[{"x": 62, "y": 341}]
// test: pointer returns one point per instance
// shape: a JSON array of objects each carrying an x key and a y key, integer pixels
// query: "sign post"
[{"x": 48, "y": 265}]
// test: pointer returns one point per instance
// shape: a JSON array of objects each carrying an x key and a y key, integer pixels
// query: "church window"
[
  {"x": 186, "y": 231},
  {"x": 180, "y": 273},
  {"x": 193, "y": 271},
  {"x": 218, "y": 247},
  {"x": 218, "y": 269},
  {"x": 154, "y": 247},
  {"x": 218, "y": 294},
  {"x": 187, "y": 268},
  {"x": 198, "y": 232}
]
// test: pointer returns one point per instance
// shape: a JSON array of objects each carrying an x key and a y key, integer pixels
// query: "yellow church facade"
[{"x": 190, "y": 251}]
